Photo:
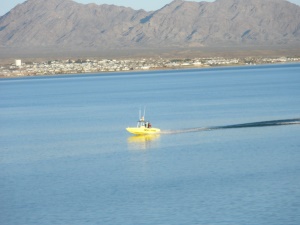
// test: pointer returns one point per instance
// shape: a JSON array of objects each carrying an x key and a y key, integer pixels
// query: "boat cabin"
[{"x": 142, "y": 123}]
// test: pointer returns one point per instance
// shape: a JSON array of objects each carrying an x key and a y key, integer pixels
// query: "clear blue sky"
[{"x": 7, "y": 5}]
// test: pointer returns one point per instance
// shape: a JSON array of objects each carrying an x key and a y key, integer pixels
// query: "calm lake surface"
[{"x": 66, "y": 158}]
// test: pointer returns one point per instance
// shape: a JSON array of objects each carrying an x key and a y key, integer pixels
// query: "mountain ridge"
[{"x": 68, "y": 24}]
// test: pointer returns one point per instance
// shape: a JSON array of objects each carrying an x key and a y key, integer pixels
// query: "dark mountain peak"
[
  {"x": 174, "y": 3},
  {"x": 180, "y": 4}
]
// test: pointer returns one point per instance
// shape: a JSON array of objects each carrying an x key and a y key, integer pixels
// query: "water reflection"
[{"x": 143, "y": 142}]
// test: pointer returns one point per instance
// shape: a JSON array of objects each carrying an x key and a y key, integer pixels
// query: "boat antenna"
[
  {"x": 144, "y": 111},
  {"x": 140, "y": 112}
]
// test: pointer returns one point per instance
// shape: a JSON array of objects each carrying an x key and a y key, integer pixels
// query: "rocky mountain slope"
[{"x": 65, "y": 23}]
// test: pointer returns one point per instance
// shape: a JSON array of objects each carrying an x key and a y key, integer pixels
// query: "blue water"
[{"x": 66, "y": 158}]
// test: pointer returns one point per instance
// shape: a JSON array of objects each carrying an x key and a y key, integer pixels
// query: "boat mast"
[{"x": 140, "y": 112}]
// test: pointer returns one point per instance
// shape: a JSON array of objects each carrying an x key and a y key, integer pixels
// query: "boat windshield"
[{"x": 143, "y": 124}]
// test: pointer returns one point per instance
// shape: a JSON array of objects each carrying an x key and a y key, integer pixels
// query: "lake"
[{"x": 66, "y": 157}]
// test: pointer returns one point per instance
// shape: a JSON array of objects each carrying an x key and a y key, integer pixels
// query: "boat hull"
[{"x": 142, "y": 130}]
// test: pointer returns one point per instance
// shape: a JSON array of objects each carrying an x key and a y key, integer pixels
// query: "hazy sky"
[{"x": 7, "y": 5}]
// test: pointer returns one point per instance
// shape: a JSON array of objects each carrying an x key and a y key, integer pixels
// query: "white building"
[{"x": 18, "y": 62}]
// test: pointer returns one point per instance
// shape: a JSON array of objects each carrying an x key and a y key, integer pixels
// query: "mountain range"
[{"x": 67, "y": 24}]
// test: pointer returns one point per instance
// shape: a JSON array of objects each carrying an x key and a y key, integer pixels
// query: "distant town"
[{"x": 70, "y": 66}]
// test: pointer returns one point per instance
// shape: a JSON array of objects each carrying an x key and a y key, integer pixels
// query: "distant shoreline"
[
  {"x": 149, "y": 70},
  {"x": 87, "y": 66}
]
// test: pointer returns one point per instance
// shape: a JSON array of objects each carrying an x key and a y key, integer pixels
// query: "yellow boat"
[{"x": 143, "y": 127}]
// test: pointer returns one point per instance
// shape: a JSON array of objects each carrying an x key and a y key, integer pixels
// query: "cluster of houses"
[{"x": 112, "y": 65}]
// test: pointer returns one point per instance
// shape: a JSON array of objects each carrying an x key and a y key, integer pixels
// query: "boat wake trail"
[{"x": 243, "y": 125}]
